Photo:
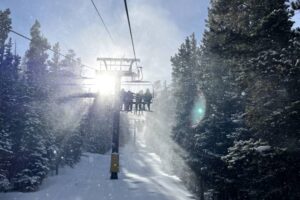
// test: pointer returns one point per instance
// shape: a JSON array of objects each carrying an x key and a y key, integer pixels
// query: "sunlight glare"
[{"x": 106, "y": 84}]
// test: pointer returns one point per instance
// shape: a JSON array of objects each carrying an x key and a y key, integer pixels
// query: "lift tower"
[{"x": 119, "y": 68}]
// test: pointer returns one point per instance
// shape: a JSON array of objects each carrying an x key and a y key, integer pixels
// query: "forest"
[
  {"x": 233, "y": 106},
  {"x": 247, "y": 67},
  {"x": 39, "y": 134}
]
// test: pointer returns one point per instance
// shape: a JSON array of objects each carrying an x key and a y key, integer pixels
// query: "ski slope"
[{"x": 141, "y": 178}]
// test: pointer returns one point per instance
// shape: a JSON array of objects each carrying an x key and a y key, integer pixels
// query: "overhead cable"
[
  {"x": 49, "y": 48},
  {"x": 131, "y": 36},
  {"x": 98, "y": 12}
]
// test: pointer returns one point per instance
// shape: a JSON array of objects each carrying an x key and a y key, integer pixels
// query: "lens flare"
[{"x": 198, "y": 111}]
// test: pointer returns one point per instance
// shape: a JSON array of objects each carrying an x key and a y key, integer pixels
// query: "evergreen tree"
[
  {"x": 68, "y": 148},
  {"x": 8, "y": 96},
  {"x": 70, "y": 64},
  {"x": 36, "y": 58},
  {"x": 68, "y": 141},
  {"x": 72, "y": 149},
  {"x": 96, "y": 126},
  {"x": 5, "y": 28},
  {"x": 218, "y": 76},
  {"x": 248, "y": 73},
  {"x": 185, "y": 91},
  {"x": 28, "y": 147},
  {"x": 54, "y": 63},
  {"x": 6, "y": 153},
  {"x": 185, "y": 70},
  {"x": 32, "y": 137},
  {"x": 296, "y": 5},
  {"x": 30, "y": 164}
]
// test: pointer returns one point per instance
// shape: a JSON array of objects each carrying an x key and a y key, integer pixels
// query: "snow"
[
  {"x": 141, "y": 178},
  {"x": 263, "y": 148}
]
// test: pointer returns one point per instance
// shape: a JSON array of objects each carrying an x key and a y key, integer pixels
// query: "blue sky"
[{"x": 159, "y": 27}]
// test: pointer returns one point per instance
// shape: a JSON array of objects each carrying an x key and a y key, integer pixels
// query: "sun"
[{"x": 105, "y": 84}]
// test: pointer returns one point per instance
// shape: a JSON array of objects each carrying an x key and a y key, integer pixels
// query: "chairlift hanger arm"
[
  {"x": 119, "y": 59},
  {"x": 142, "y": 83}
]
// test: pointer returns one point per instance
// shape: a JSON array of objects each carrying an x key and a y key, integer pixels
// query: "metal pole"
[{"x": 116, "y": 129}]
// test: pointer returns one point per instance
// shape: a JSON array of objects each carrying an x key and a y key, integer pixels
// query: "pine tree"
[
  {"x": 96, "y": 126},
  {"x": 36, "y": 58},
  {"x": 8, "y": 96},
  {"x": 68, "y": 141},
  {"x": 222, "y": 54},
  {"x": 275, "y": 101},
  {"x": 185, "y": 91},
  {"x": 30, "y": 162},
  {"x": 296, "y": 5},
  {"x": 72, "y": 149},
  {"x": 54, "y": 63},
  {"x": 5, "y": 28},
  {"x": 70, "y": 64},
  {"x": 253, "y": 53},
  {"x": 248, "y": 73},
  {"x": 185, "y": 70},
  {"x": 6, "y": 154},
  {"x": 32, "y": 137}
]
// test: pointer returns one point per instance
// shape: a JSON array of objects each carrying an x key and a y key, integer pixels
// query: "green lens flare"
[{"x": 198, "y": 111}]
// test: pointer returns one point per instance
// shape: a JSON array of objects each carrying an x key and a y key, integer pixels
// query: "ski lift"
[
  {"x": 130, "y": 80},
  {"x": 137, "y": 86},
  {"x": 135, "y": 96}
]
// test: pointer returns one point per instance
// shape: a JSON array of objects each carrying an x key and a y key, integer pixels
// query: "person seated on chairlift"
[
  {"x": 139, "y": 101},
  {"x": 122, "y": 100},
  {"x": 148, "y": 98},
  {"x": 130, "y": 100},
  {"x": 126, "y": 101}
]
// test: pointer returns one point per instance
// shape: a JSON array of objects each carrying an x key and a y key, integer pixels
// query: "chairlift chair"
[{"x": 136, "y": 86}]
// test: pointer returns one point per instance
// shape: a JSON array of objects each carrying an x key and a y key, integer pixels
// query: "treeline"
[
  {"x": 37, "y": 134},
  {"x": 247, "y": 146}
]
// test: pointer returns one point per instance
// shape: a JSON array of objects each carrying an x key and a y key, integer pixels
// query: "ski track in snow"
[{"x": 141, "y": 178}]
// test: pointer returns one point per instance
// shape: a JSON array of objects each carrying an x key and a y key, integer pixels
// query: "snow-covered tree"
[
  {"x": 72, "y": 149},
  {"x": 96, "y": 127},
  {"x": 36, "y": 57},
  {"x": 296, "y": 5},
  {"x": 5, "y": 27},
  {"x": 248, "y": 71},
  {"x": 32, "y": 140},
  {"x": 70, "y": 64},
  {"x": 30, "y": 164},
  {"x": 8, "y": 96},
  {"x": 54, "y": 63},
  {"x": 185, "y": 90}
]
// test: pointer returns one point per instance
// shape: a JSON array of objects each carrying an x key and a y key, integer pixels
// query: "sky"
[{"x": 159, "y": 27}]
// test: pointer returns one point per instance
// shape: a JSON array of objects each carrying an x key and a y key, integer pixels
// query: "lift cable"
[
  {"x": 128, "y": 19},
  {"x": 98, "y": 12},
  {"x": 49, "y": 48}
]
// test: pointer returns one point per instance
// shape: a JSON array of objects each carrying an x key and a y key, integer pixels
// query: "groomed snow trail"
[{"x": 141, "y": 178}]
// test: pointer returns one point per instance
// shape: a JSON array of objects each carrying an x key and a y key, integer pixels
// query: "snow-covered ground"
[{"x": 141, "y": 178}]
